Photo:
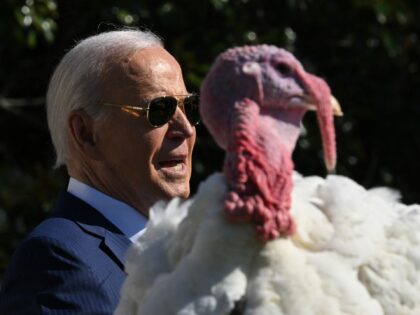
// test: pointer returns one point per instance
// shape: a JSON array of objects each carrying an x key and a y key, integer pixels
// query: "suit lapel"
[
  {"x": 114, "y": 242},
  {"x": 117, "y": 245}
]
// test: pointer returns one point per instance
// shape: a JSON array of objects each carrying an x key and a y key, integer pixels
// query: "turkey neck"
[{"x": 259, "y": 168}]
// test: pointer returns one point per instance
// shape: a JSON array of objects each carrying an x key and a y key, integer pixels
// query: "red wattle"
[{"x": 260, "y": 190}]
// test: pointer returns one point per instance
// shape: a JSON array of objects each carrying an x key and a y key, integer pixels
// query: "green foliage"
[
  {"x": 35, "y": 18},
  {"x": 368, "y": 51}
]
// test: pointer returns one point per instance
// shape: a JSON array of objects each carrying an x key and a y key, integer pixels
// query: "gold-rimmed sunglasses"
[{"x": 161, "y": 109}]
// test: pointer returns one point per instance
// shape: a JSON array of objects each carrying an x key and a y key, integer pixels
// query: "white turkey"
[{"x": 259, "y": 238}]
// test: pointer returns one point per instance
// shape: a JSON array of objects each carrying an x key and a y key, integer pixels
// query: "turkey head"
[{"x": 252, "y": 102}]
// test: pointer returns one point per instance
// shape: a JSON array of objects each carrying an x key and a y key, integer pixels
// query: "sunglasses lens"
[
  {"x": 161, "y": 110},
  {"x": 191, "y": 105}
]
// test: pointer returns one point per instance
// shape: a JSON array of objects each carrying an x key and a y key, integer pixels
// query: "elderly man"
[{"x": 122, "y": 123}]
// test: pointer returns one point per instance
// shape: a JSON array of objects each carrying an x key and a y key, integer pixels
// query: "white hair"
[{"x": 78, "y": 81}]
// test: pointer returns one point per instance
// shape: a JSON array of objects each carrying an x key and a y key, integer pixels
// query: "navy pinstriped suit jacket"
[{"x": 72, "y": 263}]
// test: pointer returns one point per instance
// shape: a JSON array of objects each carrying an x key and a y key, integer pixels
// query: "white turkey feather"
[{"x": 354, "y": 252}]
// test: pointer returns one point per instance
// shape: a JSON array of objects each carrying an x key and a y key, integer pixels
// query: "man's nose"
[{"x": 179, "y": 126}]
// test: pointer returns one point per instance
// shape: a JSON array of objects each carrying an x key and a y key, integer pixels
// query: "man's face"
[{"x": 142, "y": 164}]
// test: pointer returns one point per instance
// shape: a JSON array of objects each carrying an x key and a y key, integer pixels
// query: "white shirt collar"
[{"x": 130, "y": 221}]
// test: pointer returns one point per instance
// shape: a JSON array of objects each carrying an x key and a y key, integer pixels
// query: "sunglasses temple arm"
[{"x": 138, "y": 108}]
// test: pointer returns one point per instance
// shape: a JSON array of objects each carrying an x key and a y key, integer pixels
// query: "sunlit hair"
[{"x": 78, "y": 81}]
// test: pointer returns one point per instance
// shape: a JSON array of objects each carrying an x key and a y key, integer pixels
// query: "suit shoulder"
[
  {"x": 61, "y": 232},
  {"x": 54, "y": 228},
  {"x": 46, "y": 247},
  {"x": 49, "y": 276},
  {"x": 55, "y": 240}
]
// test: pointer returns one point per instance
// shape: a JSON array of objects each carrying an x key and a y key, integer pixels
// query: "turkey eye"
[{"x": 283, "y": 68}]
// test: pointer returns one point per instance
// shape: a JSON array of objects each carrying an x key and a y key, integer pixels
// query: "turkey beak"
[
  {"x": 334, "y": 104},
  {"x": 336, "y": 107}
]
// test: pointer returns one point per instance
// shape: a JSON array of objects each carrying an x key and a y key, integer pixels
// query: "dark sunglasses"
[{"x": 161, "y": 109}]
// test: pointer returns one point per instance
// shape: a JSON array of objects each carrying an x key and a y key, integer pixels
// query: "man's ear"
[{"x": 82, "y": 133}]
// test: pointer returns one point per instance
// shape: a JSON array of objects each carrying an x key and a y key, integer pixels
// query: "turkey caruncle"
[{"x": 260, "y": 239}]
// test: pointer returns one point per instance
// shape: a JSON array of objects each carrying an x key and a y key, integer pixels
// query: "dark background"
[{"x": 368, "y": 51}]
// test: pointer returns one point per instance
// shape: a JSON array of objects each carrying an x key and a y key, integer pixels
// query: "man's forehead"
[
  {"x": 147, "y": 71},
  {"x": 150, "y": 60}
]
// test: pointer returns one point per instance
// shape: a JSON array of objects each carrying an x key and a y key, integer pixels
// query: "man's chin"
[
  {"x": 178, "y": 191},
  {"x": 174, "y": 184}
]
